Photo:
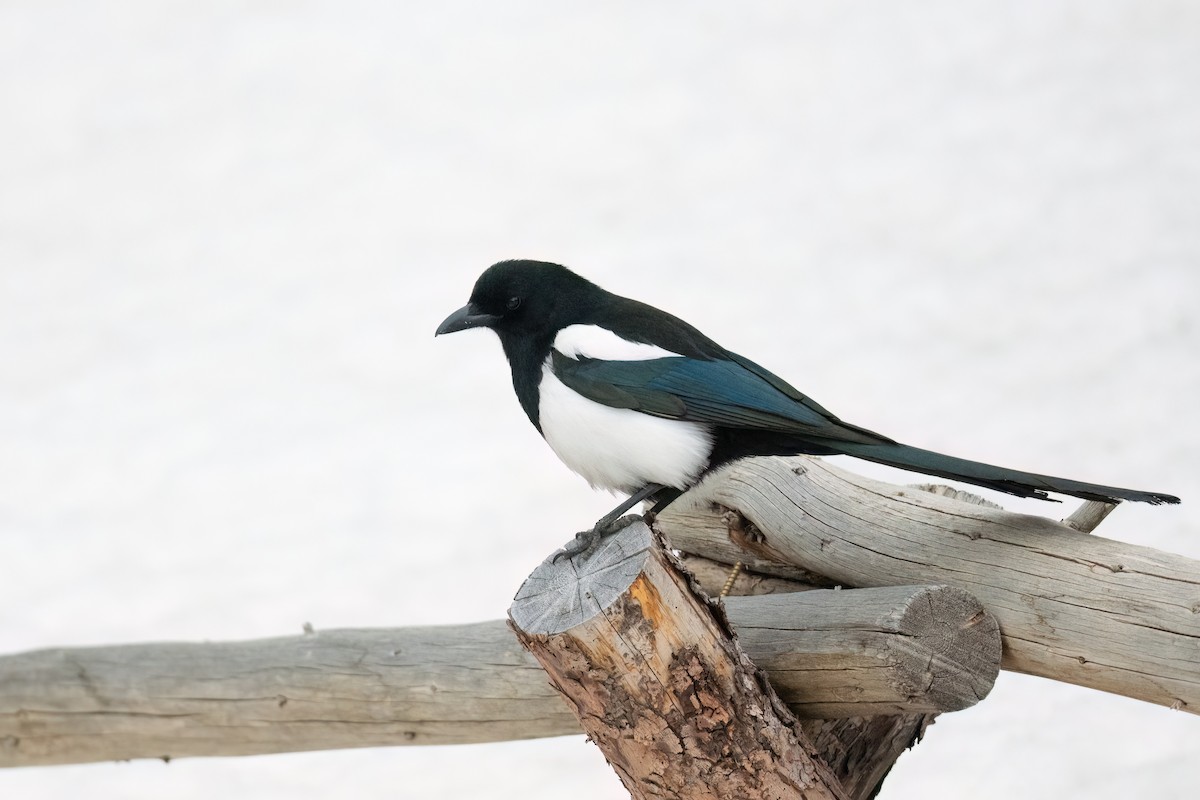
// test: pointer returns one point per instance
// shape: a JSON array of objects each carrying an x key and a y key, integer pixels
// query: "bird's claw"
[{"x": 585, "y": 542}]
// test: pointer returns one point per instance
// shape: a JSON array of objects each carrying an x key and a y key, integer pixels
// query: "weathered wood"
[
  {"x": 712, "y": 575},
  {"x": 1089, "y": 515},
  {"x": 1072, "y": 606},
  {"x": 333, "y": 689},
  {"x": 440, "y": 685},
  {"x": 860, "y": 750},
  {"x": 936, "y": 646},
  {"x": 657, "y": 681}
]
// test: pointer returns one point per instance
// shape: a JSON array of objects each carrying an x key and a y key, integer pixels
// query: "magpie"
[{"x": 639, "y": 402}]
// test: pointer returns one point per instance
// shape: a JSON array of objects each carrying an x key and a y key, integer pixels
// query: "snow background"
[{"x": 227, "y": 232}]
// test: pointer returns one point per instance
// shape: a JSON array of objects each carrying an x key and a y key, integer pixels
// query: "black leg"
[
  {"x": 586, "y": 540},
  {"x": 664, "y": 499},
  {"x": 649, "y": 490}
]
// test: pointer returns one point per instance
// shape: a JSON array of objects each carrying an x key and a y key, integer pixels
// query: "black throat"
[{"x": 526, "y": 354}]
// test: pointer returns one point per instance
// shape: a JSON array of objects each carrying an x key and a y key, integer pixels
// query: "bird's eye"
[{"x": 513, "y": 303}]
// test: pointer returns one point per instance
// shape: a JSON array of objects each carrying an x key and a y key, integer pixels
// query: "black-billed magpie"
[{"x": 638, "y": 401}]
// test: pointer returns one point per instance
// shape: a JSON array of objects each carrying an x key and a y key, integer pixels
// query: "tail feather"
[{"x": 1011, "y": 481}]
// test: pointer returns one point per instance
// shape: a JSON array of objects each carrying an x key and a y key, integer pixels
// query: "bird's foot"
[{"x": 586, "y": 542}]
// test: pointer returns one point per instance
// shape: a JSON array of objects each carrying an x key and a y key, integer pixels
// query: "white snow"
[{"x": 228, "y": 231}]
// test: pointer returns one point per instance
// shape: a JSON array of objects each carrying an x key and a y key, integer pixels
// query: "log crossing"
[
  {"x": 911, "y": 649},
  {"x": 657, "y": 681},
  {"x": 1072, "y": 606}
]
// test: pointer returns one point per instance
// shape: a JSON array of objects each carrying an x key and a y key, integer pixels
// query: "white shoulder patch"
[{"x": 593, "y": 341}]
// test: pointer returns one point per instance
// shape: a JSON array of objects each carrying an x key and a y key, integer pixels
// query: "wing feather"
[{"x": 715, "y": 392}]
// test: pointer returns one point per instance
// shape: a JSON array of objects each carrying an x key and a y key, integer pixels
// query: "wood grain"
[
  {"x": 1071, "y": 606},
  {"x": 456, "y": 683},
  {"x": 658, "y": 682}
]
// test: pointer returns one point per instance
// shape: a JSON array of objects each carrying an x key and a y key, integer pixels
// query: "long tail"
[{"x": 1022, "y": 484}]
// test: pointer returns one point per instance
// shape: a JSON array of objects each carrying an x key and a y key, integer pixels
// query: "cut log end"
[
  {"x": 889, "y": 650},
  {"x": 955, "y": 646},
  {"x": 560, "y": 594},
  {"x": 657, "y": 681}
]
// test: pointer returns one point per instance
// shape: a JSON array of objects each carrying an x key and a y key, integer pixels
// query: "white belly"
[{"x": 616, "y": 448}]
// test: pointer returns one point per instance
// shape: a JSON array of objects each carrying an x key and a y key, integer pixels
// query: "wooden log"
[
  {"x": 935, "y": 646},
  {"x": 1072, "y": 606},
  {"x": 449, "y": 684},
  {"x": 446, "y": 684},
  {"x": 860, "y": 750},
  {"x": 657, "y": 681},
  {"x": 712, "y": 576}
]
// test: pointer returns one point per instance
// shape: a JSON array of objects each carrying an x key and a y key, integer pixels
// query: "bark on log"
[
  {"x": 657, "y": 681},
  {"x": 860, "y": 750},
  {"x": 1072, "y": 606},
  {"x": 453, "y": 683}
]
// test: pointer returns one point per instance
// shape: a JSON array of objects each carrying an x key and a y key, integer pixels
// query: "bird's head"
[{"x": 523, "y": 298}]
